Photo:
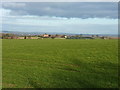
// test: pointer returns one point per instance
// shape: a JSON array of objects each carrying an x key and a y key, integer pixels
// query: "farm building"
[
  {"x": 21, "y": 38},
  {"x": 14, "y": 37},
  {"x": 30, "y": 37},
  {"x": 73, "y": 37},
  {"x": 104, "y": 37},
  {"x": 46, "y": 35},
  {"x": 59, "y": 36}
]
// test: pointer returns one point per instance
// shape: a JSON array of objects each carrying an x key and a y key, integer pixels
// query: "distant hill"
[
  {"x": 31, "y": 33},
  {"x": 38, "y": 33}
]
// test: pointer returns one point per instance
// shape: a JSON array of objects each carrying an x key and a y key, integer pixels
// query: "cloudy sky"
[{"x": 68, "y": 17}]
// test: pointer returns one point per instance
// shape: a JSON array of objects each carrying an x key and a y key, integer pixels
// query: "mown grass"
[{"x": 60, "y": 63}]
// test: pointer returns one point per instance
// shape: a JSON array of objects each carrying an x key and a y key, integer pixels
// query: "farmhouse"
[
  {"x": 14, "y": 37},
  {"x": 21, "y": 38},
  {"x": 46, "y": 35},
  {"x": 104, "y": 37}
]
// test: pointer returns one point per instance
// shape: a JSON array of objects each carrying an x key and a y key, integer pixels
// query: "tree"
[{"x": 25, "y": 37}]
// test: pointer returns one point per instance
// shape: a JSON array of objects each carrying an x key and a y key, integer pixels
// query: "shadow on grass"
[
  {"x": 33, "y": 83},
  {"x": 88, "y": 75}
]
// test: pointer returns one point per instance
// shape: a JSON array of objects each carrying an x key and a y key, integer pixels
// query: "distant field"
[{"x": 60, "y": 63}]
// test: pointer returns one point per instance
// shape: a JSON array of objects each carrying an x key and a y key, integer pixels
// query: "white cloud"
[
  {"x": 59, "y": 24},
  {"x": 56, "y": 21},
  {"x": 4, "y": 12}
]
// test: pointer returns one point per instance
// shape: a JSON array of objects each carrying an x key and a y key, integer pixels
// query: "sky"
[{"x": 61, "y": 17}]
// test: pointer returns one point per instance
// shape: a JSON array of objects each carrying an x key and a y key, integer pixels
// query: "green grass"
[{"x": 60, "y": 63}]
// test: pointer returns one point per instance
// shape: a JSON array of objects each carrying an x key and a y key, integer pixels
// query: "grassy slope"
[{"x": 60, "y": 63}]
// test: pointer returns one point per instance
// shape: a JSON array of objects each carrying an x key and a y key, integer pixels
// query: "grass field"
[{"x": 60, "y": 63}]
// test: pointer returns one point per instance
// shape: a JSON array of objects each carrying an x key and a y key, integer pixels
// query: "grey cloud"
[
  {"x": 65, "y": 9},
  {"x": 13, "y": 5}
]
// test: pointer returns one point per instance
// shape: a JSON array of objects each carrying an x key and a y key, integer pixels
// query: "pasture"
[{"x": 54, "y": 63}]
